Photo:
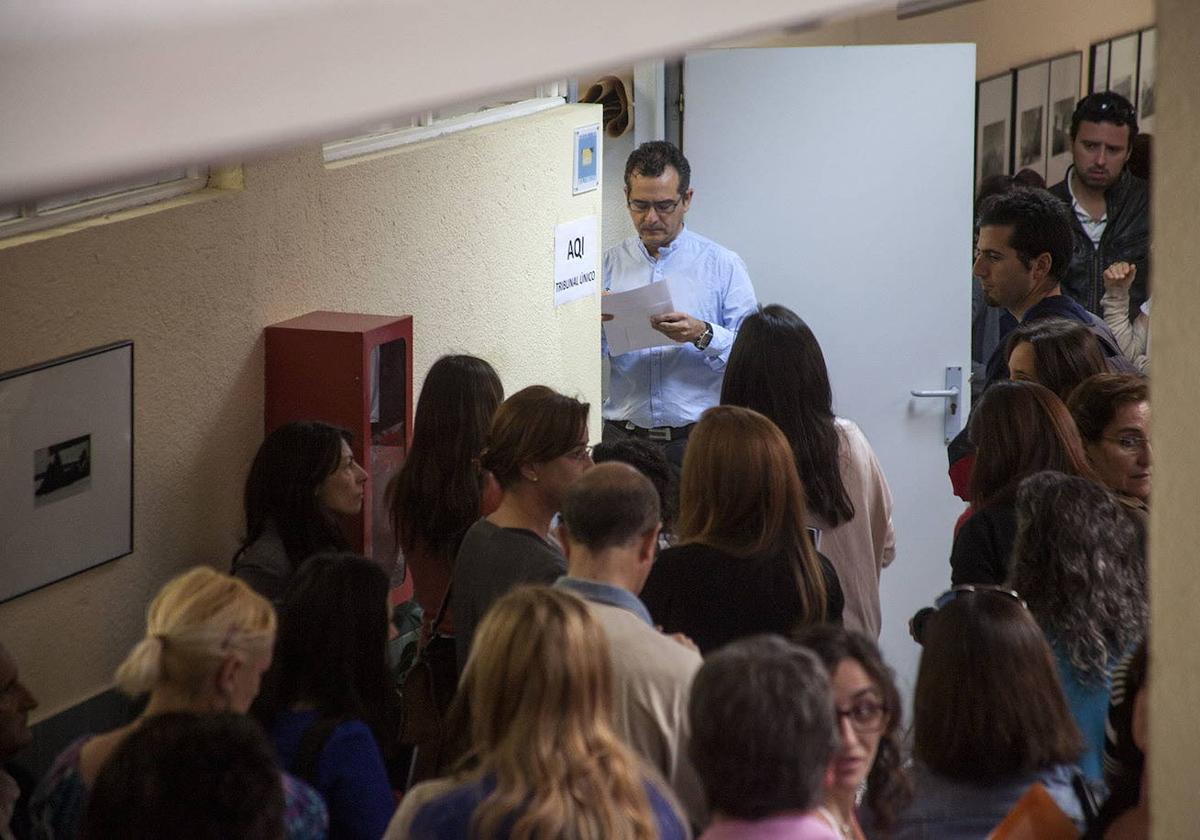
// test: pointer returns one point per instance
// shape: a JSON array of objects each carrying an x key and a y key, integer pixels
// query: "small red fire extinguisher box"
[{"x": 352, "y": 371}]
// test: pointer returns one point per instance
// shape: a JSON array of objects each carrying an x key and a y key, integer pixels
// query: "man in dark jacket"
[
  {"x": 1111, "y": 207},
  {"x": 1021, "y": 259}
]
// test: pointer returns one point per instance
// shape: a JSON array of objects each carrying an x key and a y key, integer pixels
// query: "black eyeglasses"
[
  {"x": 1120, "y": 110},
  {"x": 660, "y": 207},
  {"x": 866, "y": 716}
]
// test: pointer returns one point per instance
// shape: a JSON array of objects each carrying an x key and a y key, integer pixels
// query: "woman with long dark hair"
[
  {"x": 870, "y": 714},
  {"x": 744, "y": 563},
  {"x": 441, "y": 490},
  {"x": 777, "y": 368},
  {"x": 990, "y": 719},
  {"x": 325, "y": 702},
  {"x": 1078, "y": 563},
  {"x": 1018, "y": 428},
  {"x": 1054, "y": 352},
  {"x": 302, "y": 480}
]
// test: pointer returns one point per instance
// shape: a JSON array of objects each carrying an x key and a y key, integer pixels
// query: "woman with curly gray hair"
[{"x": 1079, "y": 564}]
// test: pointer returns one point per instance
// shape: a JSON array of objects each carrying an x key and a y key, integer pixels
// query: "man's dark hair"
[
  {"x": 649, "y": 460},
  {"x": 1108, "y": 107},
  {"x": 652, "y": 158},
  {"x": 1040, "y": 221},
  {"x": 763, "y": 728},
  {"x": 189, "y": 776},
  {"x": 610, "y": 505}
]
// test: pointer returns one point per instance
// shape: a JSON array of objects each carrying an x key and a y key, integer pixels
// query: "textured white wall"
[{"x": 459, "y": 232}]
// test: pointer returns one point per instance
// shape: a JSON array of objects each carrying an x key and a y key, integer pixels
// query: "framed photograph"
[
  {"x": 1032, "y": 106},
  {"x": 66, "y": 467},
  {"x": 1146, "y": 75},
  {"x": 993, "y": 126},
  {"x": 1064, "y": 94},
  {"x": 1123, "y": 66},
  {"x": 1099, "y": 77}
]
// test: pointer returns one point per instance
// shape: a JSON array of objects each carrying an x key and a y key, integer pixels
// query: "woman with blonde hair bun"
[
  {"x": 538, "y": 690},
  {"x": 208, "y": 641}
]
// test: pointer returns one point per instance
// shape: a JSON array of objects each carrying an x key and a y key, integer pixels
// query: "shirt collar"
[
  {"x": 1077, "y": 207},
  {"x": 665, "y": 250},
  {"x": 605, "y": 593}
]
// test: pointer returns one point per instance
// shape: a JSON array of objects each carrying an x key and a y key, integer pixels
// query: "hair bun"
[{"x": 142, "y": 668}]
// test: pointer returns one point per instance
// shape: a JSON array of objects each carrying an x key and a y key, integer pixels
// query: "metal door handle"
[{"x": 952, "y": 394}]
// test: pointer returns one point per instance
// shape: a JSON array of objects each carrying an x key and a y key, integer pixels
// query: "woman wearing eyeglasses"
[
  {"x": 990, "y": 719},
  {"x": 1112, "y": 412},
  {"x": 868, "y": 709},
  {"x": 1079, "y": 565},
  {"x": 536, "y": 448}
]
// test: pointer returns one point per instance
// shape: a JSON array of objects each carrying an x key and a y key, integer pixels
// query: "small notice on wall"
[
  {"x": 576, "y": 260},
  {"x": 587, "y": 159}
]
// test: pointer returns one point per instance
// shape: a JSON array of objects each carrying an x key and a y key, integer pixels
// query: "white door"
[{"x": 842, "y": 176}]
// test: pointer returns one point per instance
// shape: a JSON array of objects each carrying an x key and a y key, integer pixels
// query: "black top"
[
  {"x": 714, "y": 598},
  {"x": 983, "y": 548}
]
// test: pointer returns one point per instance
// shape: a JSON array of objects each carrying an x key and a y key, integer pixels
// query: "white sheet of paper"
[{"x": 630, "y": 327}]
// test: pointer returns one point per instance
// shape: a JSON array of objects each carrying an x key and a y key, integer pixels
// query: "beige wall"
[
  {"x": 1007, "y": 33},
  {"x": 1175, "y": 525},
  {"x": 459, "y": 232}
]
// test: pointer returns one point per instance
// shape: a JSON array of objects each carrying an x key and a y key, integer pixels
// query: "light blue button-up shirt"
[{"x": 673, "y": 385}]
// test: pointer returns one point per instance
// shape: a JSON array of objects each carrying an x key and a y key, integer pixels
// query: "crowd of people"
[{"x": 674, "y": 633}]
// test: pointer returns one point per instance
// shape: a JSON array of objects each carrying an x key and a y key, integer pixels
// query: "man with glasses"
[
  {"x": 659, "y": 393},
  {"x": 1111, "y": 218}
]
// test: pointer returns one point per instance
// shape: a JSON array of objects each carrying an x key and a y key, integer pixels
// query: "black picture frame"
[
  {"x": 66, "y": 467},
  {"x": 993, "y": 125}
]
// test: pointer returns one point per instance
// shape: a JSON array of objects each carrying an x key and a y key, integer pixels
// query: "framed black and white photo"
[
  {"x": 1146, "y": 75},
  {"x": 66, "y": 467},
  {"x": 1123, "y": 66},
  {"x": 1064, "y": 94},
  {"x": 993, "y": 127},
  {"x": 1032, "y": 101},
  {"x": 1099, "y": 77}
]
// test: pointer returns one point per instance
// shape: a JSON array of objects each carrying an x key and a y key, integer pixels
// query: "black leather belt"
[{"x": 659, "y": 433}]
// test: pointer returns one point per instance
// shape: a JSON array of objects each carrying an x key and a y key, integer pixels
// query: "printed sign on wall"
[
  {"x": 587, "y": 159},
  {"x": 576, "y": 259}
]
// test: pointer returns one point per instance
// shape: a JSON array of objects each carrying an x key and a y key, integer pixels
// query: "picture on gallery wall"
[
  {"x": 1123, "y": 86},
  {"x": 66, "y": 466},
  {"x": 1147, "y": 55},
  {"x": 1031, "y": 136},
  {"x": 1061, "y": 128},
  {"x": 993, "y": 162},
  {"x": 61, "y": 470}
]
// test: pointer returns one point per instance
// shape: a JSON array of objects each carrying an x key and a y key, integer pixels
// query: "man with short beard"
[{"x": 1111, "y": 206}]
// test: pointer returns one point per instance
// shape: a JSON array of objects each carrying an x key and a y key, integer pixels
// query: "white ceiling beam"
[{"x": 92, "y": 90}]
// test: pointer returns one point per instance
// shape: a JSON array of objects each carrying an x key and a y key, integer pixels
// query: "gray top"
[
  {"x": 264, "y": 565},
  {"x": 945, "y": 809},
  {"x": 491, "y": 561}
]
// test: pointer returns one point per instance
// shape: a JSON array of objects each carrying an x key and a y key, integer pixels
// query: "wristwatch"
[{"x": 705, "y": 337}]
